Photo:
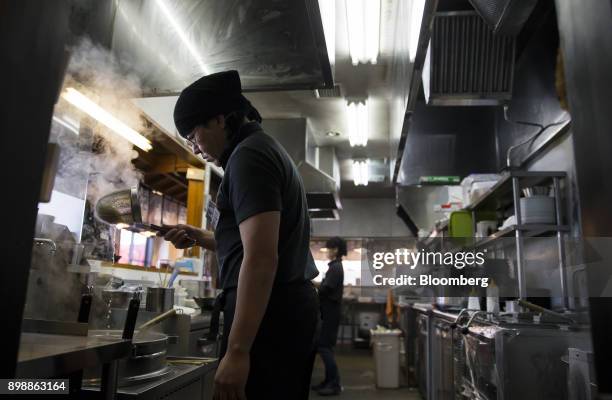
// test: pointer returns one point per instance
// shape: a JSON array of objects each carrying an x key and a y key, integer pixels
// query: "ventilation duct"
[
  {"x": 466, "y": 63},
  {"x": 506, "y": 17},
  {"x": 318, "y": 166}
]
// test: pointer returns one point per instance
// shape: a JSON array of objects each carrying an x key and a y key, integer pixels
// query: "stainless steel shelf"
[
  {"x": 440, "y": 227},
  {"x": 529, "y": 230},
  {"x": 47, "y": 355},
  {"x": 500, "y": 195}
]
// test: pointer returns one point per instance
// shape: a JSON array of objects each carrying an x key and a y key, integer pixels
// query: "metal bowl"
[
  {"x": 205, "y": 303},
  {"x": 536, "y": 191},
  {"x": 147, "y": 360}
]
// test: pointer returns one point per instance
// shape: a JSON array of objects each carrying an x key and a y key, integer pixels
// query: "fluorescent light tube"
[
  {"x": 358, "y": 123},
  {"x": 361, "y": 172},
  {"x": 416, "y": 19},
  {"x": 84, "y": 104},
  {"x": 328, "y": 17},
  {"x": 363, "y": 23},
  {"x": 372, "y": 30}
]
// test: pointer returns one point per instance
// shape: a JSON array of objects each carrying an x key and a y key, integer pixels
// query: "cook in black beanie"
[{"x": 261, "y": 237}]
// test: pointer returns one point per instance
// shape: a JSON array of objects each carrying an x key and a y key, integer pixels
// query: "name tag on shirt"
[{"x": 212, "y": 214}]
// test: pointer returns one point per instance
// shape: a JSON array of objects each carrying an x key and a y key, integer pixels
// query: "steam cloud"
[
  {"x": 102, "y": 77},
  {"x": 54, "y": 292}
]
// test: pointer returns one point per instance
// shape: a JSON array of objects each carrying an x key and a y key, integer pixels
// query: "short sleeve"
[{"x": 255, "y": 184}]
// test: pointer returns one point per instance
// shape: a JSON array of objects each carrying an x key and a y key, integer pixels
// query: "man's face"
[
  {"x": 332, "y": 253},
  {"x": 208, "y": 139}
]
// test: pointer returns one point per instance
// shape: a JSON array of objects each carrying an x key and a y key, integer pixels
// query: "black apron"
[
  {"x": 331, "y": 313},
  {"x": 282, "y": 355}
]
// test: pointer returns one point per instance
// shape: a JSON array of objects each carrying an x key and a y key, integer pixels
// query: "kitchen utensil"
[
  {"x": 536, "y": 191},
  {"x": 173, "y": 276},
  {"x": 537, "y": 209},
  {"x": 119, "y": 207},
  {"x": 124, "y": 207},
  {"x": 159, "y": 299},
  {"x": 157, "y": 320},
  {"x": 147, "y": 360},
  {"x": 542, "y": 310}
]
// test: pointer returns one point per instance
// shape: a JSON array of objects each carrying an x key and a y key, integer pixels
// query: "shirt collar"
[
  {"x": 245, "y": 131},
  {"x": 334, "y": 262}
]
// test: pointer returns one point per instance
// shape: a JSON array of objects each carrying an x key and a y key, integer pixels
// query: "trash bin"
[{"x": 386, "y": 345}]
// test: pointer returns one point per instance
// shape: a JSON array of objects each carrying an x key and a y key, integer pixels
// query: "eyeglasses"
[{"x": 192, "y": 140}]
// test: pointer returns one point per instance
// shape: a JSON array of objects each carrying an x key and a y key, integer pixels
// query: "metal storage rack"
[{"x": 507, "y": 193}]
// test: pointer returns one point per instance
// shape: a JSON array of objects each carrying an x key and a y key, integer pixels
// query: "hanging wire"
[{"x": 541, "y": 129}]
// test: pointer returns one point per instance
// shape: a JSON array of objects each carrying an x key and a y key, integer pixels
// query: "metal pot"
[
  {"x": 159, "y": 299},
  {"x": 146, "y": 362},
  {"x": 116, "y": 298}
]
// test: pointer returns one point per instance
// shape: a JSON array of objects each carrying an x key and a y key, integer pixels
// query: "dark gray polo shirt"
[{"x": 259, "y": 177}]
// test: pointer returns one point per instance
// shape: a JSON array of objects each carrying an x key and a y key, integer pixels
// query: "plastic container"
[
  {"x": 179, "y": 296},
  {"x": 480, "y": 182},
  {"x": 386, "y": 346},
  {"x": 460, "y": 224}
]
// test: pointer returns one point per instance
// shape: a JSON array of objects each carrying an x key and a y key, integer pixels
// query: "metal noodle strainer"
[{"x": 123, "y": 207}]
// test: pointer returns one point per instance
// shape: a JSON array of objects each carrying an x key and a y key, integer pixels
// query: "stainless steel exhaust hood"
[
  {"x": 321, "y": 186},
  {"x": 475, "y": 70},
  {"x": 275, "y": 45}
]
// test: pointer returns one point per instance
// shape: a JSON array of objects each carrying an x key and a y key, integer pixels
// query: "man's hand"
[
  {"x": 184, "y": 236},
  {"x": 231, "y": 376}
]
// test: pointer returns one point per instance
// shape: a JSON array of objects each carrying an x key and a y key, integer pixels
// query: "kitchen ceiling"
[{"x": 329, "y": 114}]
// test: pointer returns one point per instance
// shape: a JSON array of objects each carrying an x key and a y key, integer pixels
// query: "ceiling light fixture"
[
  {"x": 363, "y": 22},
  {"x": 181, "y": 34},
  {"x": 327, "y": 9},
  {"x": 84, "y": 104},
  {"x": 416, "y": 20},
  {"x": 358, "y": 123},
  {"x": 361, "y": 172}
]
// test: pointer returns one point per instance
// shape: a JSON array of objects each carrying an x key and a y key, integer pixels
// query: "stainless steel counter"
[
  {"x": 189, "y": 378},
  {"x": 201, "y": 321},
  {"x": 422, "y": 307},
  {"x": 450, "y": 316},
  {"x": 45, "y": 355}
]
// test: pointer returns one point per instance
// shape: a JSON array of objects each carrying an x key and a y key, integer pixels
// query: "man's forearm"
[
  {"x": 206, "y": 239},
  {"x": 254, "y": 287}
]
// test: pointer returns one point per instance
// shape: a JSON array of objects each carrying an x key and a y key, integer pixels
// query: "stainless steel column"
[
  {"x": 520, "y": 262},
  {"x": 560, "y": 243},
  {"x": 586, "y": 44}
]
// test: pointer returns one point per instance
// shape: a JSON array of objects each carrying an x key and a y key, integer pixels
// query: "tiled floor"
[{"x": 358, "y": 377}]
